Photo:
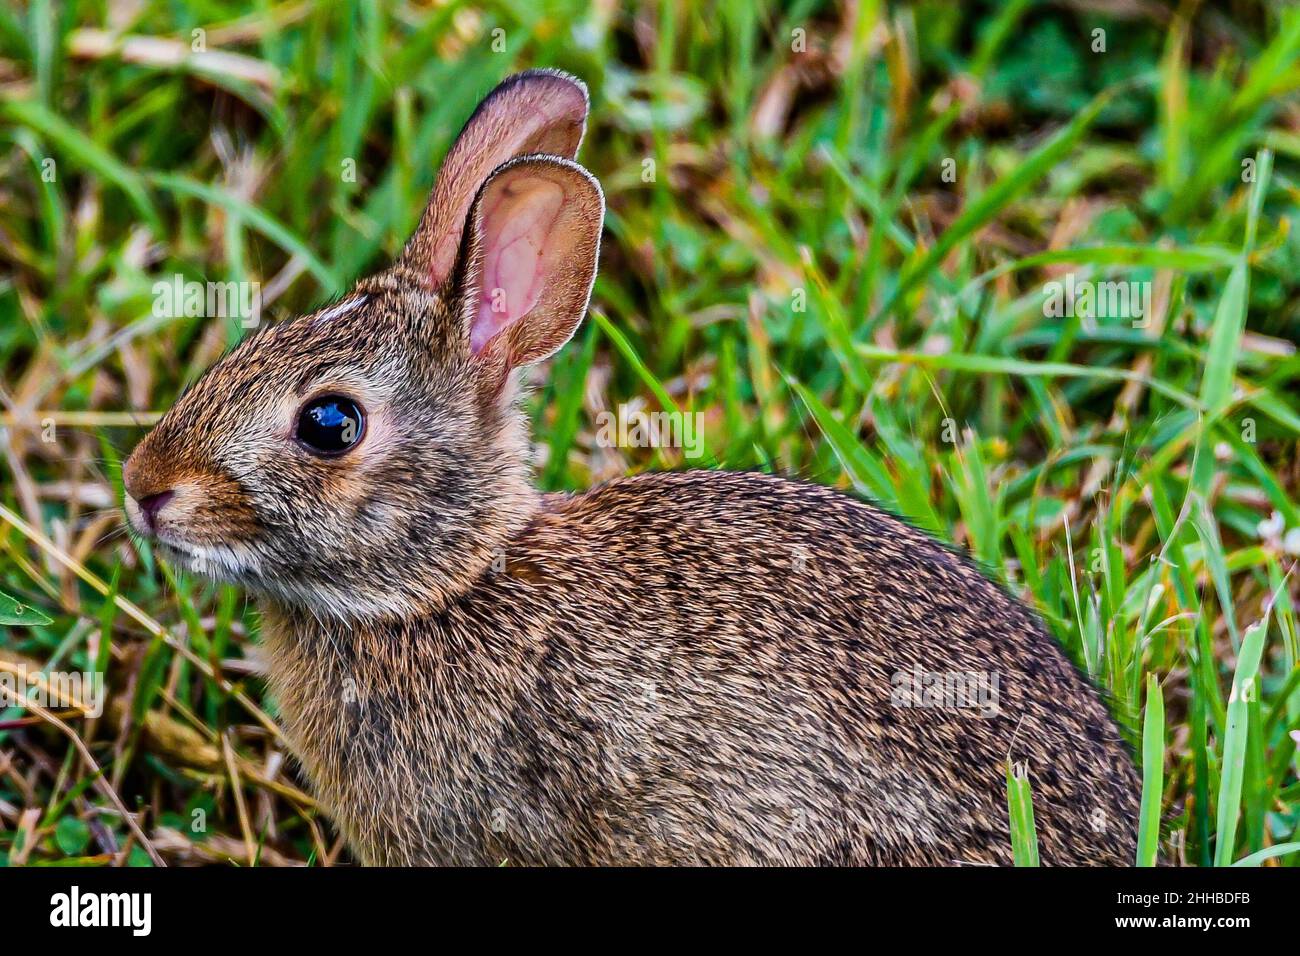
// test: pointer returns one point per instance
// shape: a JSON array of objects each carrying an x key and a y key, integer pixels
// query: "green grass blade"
[
  {"x": 1153, "y": 756},
  {"x": 1244, "y": 689},
  {"x": 863, "y": 467},
  {"x": 1020, "y": 808},
  {"x": 1270, "y": 853},
  {"x": 258, "y": 219},
  {"x": 13, "y": 611}
]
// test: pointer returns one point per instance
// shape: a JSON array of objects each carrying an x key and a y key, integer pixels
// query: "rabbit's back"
[{"x": 708, "y": 667}]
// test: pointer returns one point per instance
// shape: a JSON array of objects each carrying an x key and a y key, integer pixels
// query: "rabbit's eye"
[{"x": 330, "y": 425}]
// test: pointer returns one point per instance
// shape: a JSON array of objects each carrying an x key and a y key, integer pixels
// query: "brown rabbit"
[{"x": 701, "y": 667}]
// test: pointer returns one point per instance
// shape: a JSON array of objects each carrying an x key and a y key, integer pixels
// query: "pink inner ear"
[{"x": 518, "y": 219}]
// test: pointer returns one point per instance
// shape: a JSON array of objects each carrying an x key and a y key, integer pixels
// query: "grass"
[{"x": 831, "y": 231}]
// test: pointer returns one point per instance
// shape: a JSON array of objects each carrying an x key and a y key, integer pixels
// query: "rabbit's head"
[{"x": 369, "y": 458}]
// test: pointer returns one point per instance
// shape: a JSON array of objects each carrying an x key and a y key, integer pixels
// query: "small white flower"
[{"x": 1272, "y": 526}]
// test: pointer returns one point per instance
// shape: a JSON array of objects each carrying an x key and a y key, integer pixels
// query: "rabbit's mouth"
[
  {"x": 219, "y": 561},
  {"x": 196, "y": 523}
]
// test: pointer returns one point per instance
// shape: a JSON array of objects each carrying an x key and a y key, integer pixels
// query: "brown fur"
[{"x": 674, "y": 668}]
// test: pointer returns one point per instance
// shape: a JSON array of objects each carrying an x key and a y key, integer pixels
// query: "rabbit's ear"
[
  {"x": 538, "y": 111},
  {"x": 528, "y": 261}
]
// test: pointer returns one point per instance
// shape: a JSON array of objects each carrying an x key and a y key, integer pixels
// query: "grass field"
[{"x": 854, "y": 239}]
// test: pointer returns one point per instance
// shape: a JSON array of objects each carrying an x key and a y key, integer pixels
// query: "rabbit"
[{"x": 698, "y": 667}]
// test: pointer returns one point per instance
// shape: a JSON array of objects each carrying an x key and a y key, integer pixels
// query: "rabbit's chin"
[
  {"x": 343, "y": 604},
  {"x": 221, "y": 562}
]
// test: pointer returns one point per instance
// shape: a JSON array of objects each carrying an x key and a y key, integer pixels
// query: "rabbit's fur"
[{"x": 675, "y": 668}]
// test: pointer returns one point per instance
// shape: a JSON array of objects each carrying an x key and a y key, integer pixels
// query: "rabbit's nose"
[
  {"x": 150, "y": 505},
  {"x": 147, "y": 485}
]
